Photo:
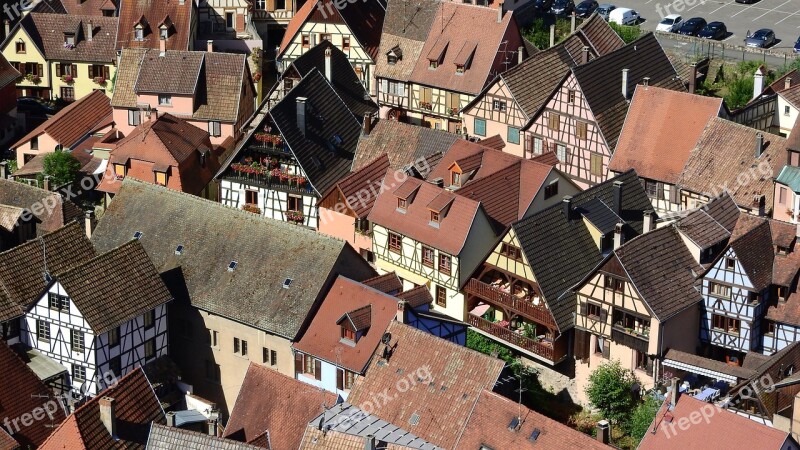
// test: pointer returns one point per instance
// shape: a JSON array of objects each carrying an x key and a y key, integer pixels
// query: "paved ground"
[{"x": 783, "y": 16}]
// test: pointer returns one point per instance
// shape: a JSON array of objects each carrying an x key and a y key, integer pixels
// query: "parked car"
[
  {"x": 714, "y": 30},
  {"x": 543, "y": 5},
  {"x": 692, "y": 26},
  {"x": 797, "y": 46},
  {"x": 624, "y": 16},
  {"x": 761, "y": 38},
  {"x": 670, "y": 23},
  {"x": 586, "y": 8},
  {"x": 604, "y": 10},
  {"x": 35, "y": 105},
  {"x": 746, "y": 1},
  {"x": 562, "y": 7}
]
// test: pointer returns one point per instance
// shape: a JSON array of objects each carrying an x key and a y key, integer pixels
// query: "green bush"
[
  {"x": 628, "y": 33},
  {"x": 481, "y": 343},
  {"x": 61, "y": 166},
  {"x": 539, "y": 31},
  {"x": 610, "y": 390},
  {"x": 642, "y": 417}
]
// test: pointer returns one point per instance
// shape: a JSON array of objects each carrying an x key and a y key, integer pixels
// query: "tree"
[
  {"x": 610, "y": 390},
  {"x": 628, "y": 33},
  {"x": 740, "y": 91},
  {"x": 642, "y": 417},
  {"x": 61, "y": 166}
]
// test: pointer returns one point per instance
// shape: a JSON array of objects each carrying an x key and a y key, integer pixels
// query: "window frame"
[
  {"x": 77, "y": 341},
  {"x": 445, "y": 264},
  {"x": 395, "y": 242},
  {"x": 164, "y": 100},
  {"x": 428, "y": 261},
  {"x": 479, "y": 130},
  {"x": 42, "y": 330},
  {"x": 513, "y": 135},
  {"x": 441, "y": 296}
]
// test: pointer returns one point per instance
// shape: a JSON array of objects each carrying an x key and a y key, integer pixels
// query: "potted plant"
[
  {"x": 100, "y": 80},
  {"x": 66, "y": 78},
  {"x": 294, "y": 216},
  {"x": 425, "y": 105},
  {"x": 454, "y": 111},
  {"x": 249, "y": 207},
  {"x": 529, "y": 330}
]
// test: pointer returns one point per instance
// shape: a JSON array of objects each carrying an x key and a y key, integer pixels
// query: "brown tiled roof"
[
  {"x": 88, "y": 7},
  {"x": 75, "y": 122},
  {"x": 176, "y": 72},
  {"x": 356, "y": 188},
  {"x": 404, "y": 144},
  {"x": 163, "y": 437},
  {"x": 454, "y": 227},
  {"x": 794, "y": 137},
  {"x": 460, "y": 22},
  {"x": 496, "y": 142},
  {"x": 599, "y": 36},
  {"x": 711, "y": 223},
  {"x": 154, "y": 11},
  {"x": 21, "y": 393},
  {"x": 124, "y": 95},
  {"x": 7, "y": 442},
  {"x": 741, "y": 373},
  {"x": 417, "y": 296},
  {"x": 549, "y": 158},
  {"x": 729, "y": 429},
  {"x": 167, "y": 140},
  {"x": 438, "y": 407},
  {"x": 22, "y": 268},
  {"x": 754, "y": 240},
  {"x": 8, "y": 74},
  {"x": 47, "y": 31},
  {"x": 269, "y": 400},
  {"x": 9, "y": 217},
  {"x": 124, "y": 278},
  {"x": 298, "y": 20},
  {"x": 775, "y": 368},
  {"x": 386, "y": 283},
  {"x": 661, "y": 130},
  {"x": 366, "y": 308},
  {"x": 489, "y": 425},
  {"x": 643, "y": 57},
  {"x": 726, "y": 150},
  {"x": 136, "y": 408},
  {"x": 792, "y": 95},
  {"x": 780, "y": 83}
]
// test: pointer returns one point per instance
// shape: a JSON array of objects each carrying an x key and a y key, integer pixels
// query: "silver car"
[
  {"x": 762, "y": 38},
  {"x": 604, "y": 10}
]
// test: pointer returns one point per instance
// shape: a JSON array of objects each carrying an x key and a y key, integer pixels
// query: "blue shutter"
[{"x": 480, "y": 127}]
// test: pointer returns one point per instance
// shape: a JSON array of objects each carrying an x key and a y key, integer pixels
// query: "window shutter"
[
  {"x": 673, "y": 193},
  {"x": 606, "y": 348},
  {"x": 298, "y": 363},
  {"x": 317, "y": 369},
  {"x": 603, "y": 315},
  {"x": 340, "y": 379},
  {"x": 40, "y": 70},
  {"x": 583, "y": 308},
  {"x": 384, "y": 85},
  {"x": 217, "y": 129},
  {"x": 105, "y": 72},
  {"x": 402, "y": 89},
  {"x": 660, "y": 190},
  {"x": 58, "y": 69}
]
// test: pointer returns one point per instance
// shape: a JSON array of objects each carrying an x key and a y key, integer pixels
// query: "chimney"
[
  {"x": 108, "y": 415},
  {"x": 401, "y": 311},
  {"x": 649, "y": 222},
  {"x": 210, "y": 46},
  {"x": 759, "y": 144},
  {"x": 328, "y": 73},
  {"x": 46, "y": 183},
  {"x": 552, "y": 35},
  {"x": 369, "y": 442},
  {"x": 212, "y": 427},
  {"x": 673, "y": 392},
  {"x": 585, "y": 54},
  {"x": 89, "y": 221},
  {"x": 162, "y": 47},
  {"x": 520, "y": 54},
  {"x": 618, "y": 235},
  {"x": 500, "y": 12},
  {"x": 572, "y": 23},
  {"x": 8, "y": 27},
  {"x": 758, "y": 83},
  {"x": 787, "y": 82},
  {"x": 301, "y": 114},
  {"x": 625, "y": 83},
  {"x": 692, "y": 77},
  {"x": 367, "y": 123},
  {"x": 566, "y": 202},
  {"x": 170, "y": 419},
  {"x": 646, "y": 81},
  {"x": 3, "y": 170},
  {"x": 603, "y": 431},
  {"x": 617, "y": 198}
]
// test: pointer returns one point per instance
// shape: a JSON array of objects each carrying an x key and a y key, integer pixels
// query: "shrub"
[
  {"x": 61, "y": 166},
  {"x": 610, "y": 390},
  {"x": 628, "y": 33}
]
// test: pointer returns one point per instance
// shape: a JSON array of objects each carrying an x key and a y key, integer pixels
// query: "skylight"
[
  {"x": 287, "y": 282},
  {"x": 232, "y": 266},
  {"x": 137, "y": 235},
  {"x": 179, "y": 250}
]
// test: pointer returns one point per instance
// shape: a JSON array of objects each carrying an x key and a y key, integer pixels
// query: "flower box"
[
  {"x": 294, "y": 216},
  {"x": 257, "y": 77},
  {"x": 99, "y": 80},
  {"x": 267, "y": 138},
  {"x": 33, "y": 78},
  {"x": 425, "y": 105},
  {"x": 69, "y": 79},
  {"x": 249, "y": 207},
  {"x": 453, "y": 111}
]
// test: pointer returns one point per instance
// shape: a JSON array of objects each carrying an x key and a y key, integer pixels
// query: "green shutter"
[{"x": 480, "y": 127}]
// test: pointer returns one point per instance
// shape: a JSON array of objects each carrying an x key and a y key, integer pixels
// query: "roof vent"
[
  {"x": 47, "y": 277},
  {"x": 535, "y": 434},
  {"x": 232, "y": 266},
  {"x": 414, "y": 419},
  {"x": 137, "y": 235},
  {"x": 287, "y": 282},
  {"x": 179, "y": 250}
]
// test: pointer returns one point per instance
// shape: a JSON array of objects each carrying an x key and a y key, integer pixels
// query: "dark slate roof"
[
  {"x": 326, "y": 116},
  {"x": 22, "y": 268},
  {"x": 404, "y": 144},
  {"x": 171, "y": 438},
  {"x": 124, "y": 278},
  {"x": 599, "y": 214},
  {"x": 600, "y": 81},
  {"x": 344, "y": 79},
  {"x": 754, "y": 250},
  {"x": 561, "y": 252},
  {"x": 212, "y": 235},
  {"x": 663, "y": 271},
  {"x": 711, "y": 223}
]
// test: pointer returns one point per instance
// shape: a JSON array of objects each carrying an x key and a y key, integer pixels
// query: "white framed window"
[
  {"x": 77, "y": 340},
  {"x": 164, "y": 99},
  {"x": 42, "y": 330},
  {"x": 214, "y": 128},
  {"x": 261, "y": 5},
  {"x": 396, "y": 88},
  {"x": 138, "y": 34},
  {"x": 499, "y": 105},
  {"x": 78, "y": 373},
  {"x": 561, "y": 152},
  {"x": 133, "y": 117}
]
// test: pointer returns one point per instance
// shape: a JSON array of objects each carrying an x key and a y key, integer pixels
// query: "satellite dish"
[{"x": 386, "y": 338}]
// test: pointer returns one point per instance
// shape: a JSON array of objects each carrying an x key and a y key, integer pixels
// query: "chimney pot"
[
  {"x": 212, "y": 427},
  {"x": 604, "y": 431},
  {"x": 618, "y": 198},
  {"x": 210, "y": 46},
  {"x": 758, "y": 83},
  {"x": 369, "y": 442},
  {"x": 7, "y": 25},
  {"x": 618, "y": 235},
  {"x": 759, "y": 144},
  {"x": 301, "y": 114},
  {"x": 585, "y": 54},
  {"x": 367, "y": 123},
  {"x": 692, "y": 77},
  {"x": 401, "y": 311},
  {"x": 625, "y": 83},
  {"x": 89, "y": 223},
  {"x": 520, "y": 54},
  {"x": 567, "y": 204},
  {"x": 328, "y": 70},
  {"x": 673, "y": 393},
  {"x": 170, "y": 419},
  {"x": 108, "y": 415},
  {"x": 646, "y": 81},
  {"x": 552, "y": 35},
  {"x": 572, "y": 23},
  {"x": 649, "y": 223},
  {"x": 787, "y": 82},
  {"x": 47, "y": 182},
  {"x": 499, "y": 12}
]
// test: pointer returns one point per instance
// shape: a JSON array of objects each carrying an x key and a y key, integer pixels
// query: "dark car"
[
  {"x": 692, "y": 26},
  {"x": 762, "y": 38},
  {"x": 586, "y": 8},
  {"x": 714, "y": 30},
  {"x": 562, "y": 7},
  {"x": 35, "y": 106},
  {"x": 797, "y": 46},
  {"x": 543, "y": 5},
  {"x": 746, "y": 1}
]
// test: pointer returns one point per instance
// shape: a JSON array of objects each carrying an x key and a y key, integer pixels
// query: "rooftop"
[
  {"x": 47, "y": 33},
  {"x": 149, "y": 15},
  {"x": 405, "y": 144},
  {"x": 162, "y": 437}
]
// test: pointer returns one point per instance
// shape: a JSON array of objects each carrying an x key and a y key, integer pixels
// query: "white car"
[
  {"x": 624, "y": 16},
  {"x": 670, "y": 23}
]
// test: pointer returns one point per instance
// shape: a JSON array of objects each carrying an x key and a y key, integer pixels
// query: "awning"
[
  {"x": 480, "y": 309},
  {"x": 699, "y": 370}
]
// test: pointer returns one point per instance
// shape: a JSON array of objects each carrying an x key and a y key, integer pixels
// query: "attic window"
[
  {"x": 348, "y": 334},
  {"x": 433, "y": 64},
  {"x": 535, "y": 435},
  {"x": 69, "y": 39},
  {"x": 232, "y": 266},
  {"x": 402, "y": 204},
  {"x": 394, "y": 55},
  {"x": 455, "y": 178},
  {"x": 137, "y": 235},
  {"x": 20, "y": 46},
  {"x": 287, "y": 282},
  {"x": 783, "y": 250},
  {"x": 336, "y": 140},
  {"x": 179, "y": 250},
  {"x": 164, "y": 32},
  {"x": 138, "y": 33},
  {"x": 459, "y": 68},
  {"x": 435, "y": 219},
  {"x": 414, "y": 419}
]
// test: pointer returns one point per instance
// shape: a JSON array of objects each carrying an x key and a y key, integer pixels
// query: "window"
[
  {"x": 554, "y": 121},
  {"x": 251, "y": 197},
  {"x": 348, "y": 378},
  {"x": 273, "y": 358},
  {"x": 511, "y": 251},
  {"x": 455, "y": 179},
  {"x": 435, "y": 217},
  {"x": 596, "y": 164},
  {"x": 581, "y": 130},
  {"x": 769, "y": 327},
  {"x": 164, "y": 99},
  {"x": 119, "y": 171},
  {"x": 133, "y": 117},
  {"x": 602, "y": 347},
  {"x": 433, "y": 64},
  {"x": 396, "y": 88},
  {"x": 551, "y": 189},
  {"x": 594, "y": 311},
  {"x": 459, "y": 68},
  {"x": 615, "y": 284},
  {"x": 513, "y": 135},
  {"x": 67, "y": 69},
  {"x": 395, "y": 242},
  {"x": 499, "y": 105},
  {"x": 229, "y": 19},
  {"x": 570, "y": 96},
  {"x": 236, "y": 345},
  {"x": 149, "y": 348},
  {"x": 261, "y": 5},
  {"x": 453, "y": 102},
  {"x": 295, "y": 203},
  {"x": 730, "y": 263},
  {"x": 630, "y": 322},
  {"x": 726, "y": 324},
  {"x": 58, "y": 302},
  {"x": 150, "y": 319},
  {"x": 348, "y": 334},
  {"x": 719, "y": 290},
  {"x": 213, "y": 338},
  {"x": 561, "y": 152},
  {"x": 264, "y": 355},
  {"x": 782, "y": 195},
  {"x": 35, "y": 143},
  {"x": 425, "y": 97},
  {"x": 115, "y": 365},
  {"x": 324, "y": 37},
  {"x": 244, "y": 347},
  {"x": 480, "y": 127},
  {"x": 20, "y": 46},
  {"x": 214, "y": 128},
  {"x": 305, "y": 40},
  {"x": 427, "y": 256},
  {"x": 308, "y": 364},
  {"x": 402, "y": 204},
  {"x": 69, "y": 38},
  {"x": 345, "y": 43},
  {"x": 98, "y": 70},
  {"x": 441, "y": 296},
  {"x": 164, "y": 33},
  {"x": 113, "y": 337},
  {"x": 42, "y": 330},
  {"x": 786, "y": 110},
  {"x": 138, "y": 34},
  {"x": 444, "y": 264},
  {"x": 68, "y": 93},
  {"x": 78, "y": 373},
  {"x": 642, "y": 361},
  {"x": 161, "y": 178},
  {"x": 76, "y": 338}
]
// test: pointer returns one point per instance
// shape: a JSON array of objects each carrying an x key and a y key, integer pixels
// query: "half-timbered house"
[
  {"x": 354, "y": 27},
  {"x": 271, "y": 17},
  {"x": 127, "y": 330},
  {"x": 282, "y": 174},
  {"x": 640, "y": 301},
  {"x": 244, "y": 286},
  {"x": 662, "y": 122},
  {"x": 508, "y": 105},
  {"x": 706, "y": 230},
  {"x": 520, "y": 295},
  {"x": 228, "y": 19}
]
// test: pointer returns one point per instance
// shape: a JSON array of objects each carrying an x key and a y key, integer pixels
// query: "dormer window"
[
  {"x": 164, "y": 32},
  {"x": 348, "y": 334},
  {"x": 138, "y": 32},
  {"x": 69, "y": 39},
  {"x": 119, "y": 171},
  {"x": 433, "y": 64},
  {"x": 459, "y": 69},
  {"x": 455, "y": 179},
  {"x": 402, "y": 204},
  {"x": 435, "y": 216},
  {"x": 161, "y": 178},
  {"x": 783, "y": 250},
  {"x": 394, "y": 55}
]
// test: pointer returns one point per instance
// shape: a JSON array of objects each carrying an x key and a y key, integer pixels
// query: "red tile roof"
[
  {"x": 88, "y": 7},
  {"x": 8, "y": 74},
  {"x": 357, "y": 188},
  {"x": 386, "y": 283},
  {"x": 489, "y": 425},
  {"x": 73, "y": 123},
  {"x": 269, "y": 400},
  {"x": 154, "y": 12},
  {"x": 322, "y": 339},
  {"x": 7, "y": 442},
  {"x": 496, "y": 142},
  {"x": 136, "y": 407},
  {"x": 444, "y": 381},
  {"x": 697, "y": 425},
  {"x": 21, "y": 393},
  {"x": 454, "y": 227},
  {"x": 661, "y": 129}
]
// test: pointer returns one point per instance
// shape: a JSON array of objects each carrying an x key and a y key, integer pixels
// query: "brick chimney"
[
  {"x": 89, "y": 221},
  {"x": 499, "y": 12},
  {"x": 649, "y": 220},
  {"x": 759, "y": 144},
  {"x": 566, "y": 203},
  {"x": 210, "y": 46},
  {"x": 108, "y": 415},
  {"x": 604, "y": 431},
  {"x": 787, "y": 82},
  {"x": 401, "y": 311},
  {"x": 367, "y": 123},
  {"x": 162, "y": 47},
  {"x": 89, "y": 31},
  {"x": 618, "y": 235},
  {"x": 692, "y": 77}
]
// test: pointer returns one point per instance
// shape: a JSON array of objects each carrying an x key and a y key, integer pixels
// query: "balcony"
[
  {"x": 519, "y": 305},
  {"x": 281, "y": 15},
  {"x": 631, "y": 339},
  {"x": 542, "y": 349}
]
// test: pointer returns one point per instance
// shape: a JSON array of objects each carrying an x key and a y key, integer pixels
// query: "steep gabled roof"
[
  {"x": 711, "y": 223},
  {"x": 8, "y": 74},
  {"x": 405, "y": 27},
  {"x": 21, "y": 195},
  {"x": 153, "y": 12},
  {"x": 174, "y": 72},
  {"x": 405, "y": 144},
  {"x": 356, "y": 188},
  {"x": 47, "y": 31},
  {"x": 166, "y": 140}
]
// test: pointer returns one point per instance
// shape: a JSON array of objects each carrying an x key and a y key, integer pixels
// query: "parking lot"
[{"x": 782, "y": 16}]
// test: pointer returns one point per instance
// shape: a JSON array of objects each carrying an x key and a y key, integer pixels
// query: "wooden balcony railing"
[
  {"x": 545, "y": 351},
  {"x": 631, "y": 340},
  {"x": 519, "y": 305}
]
